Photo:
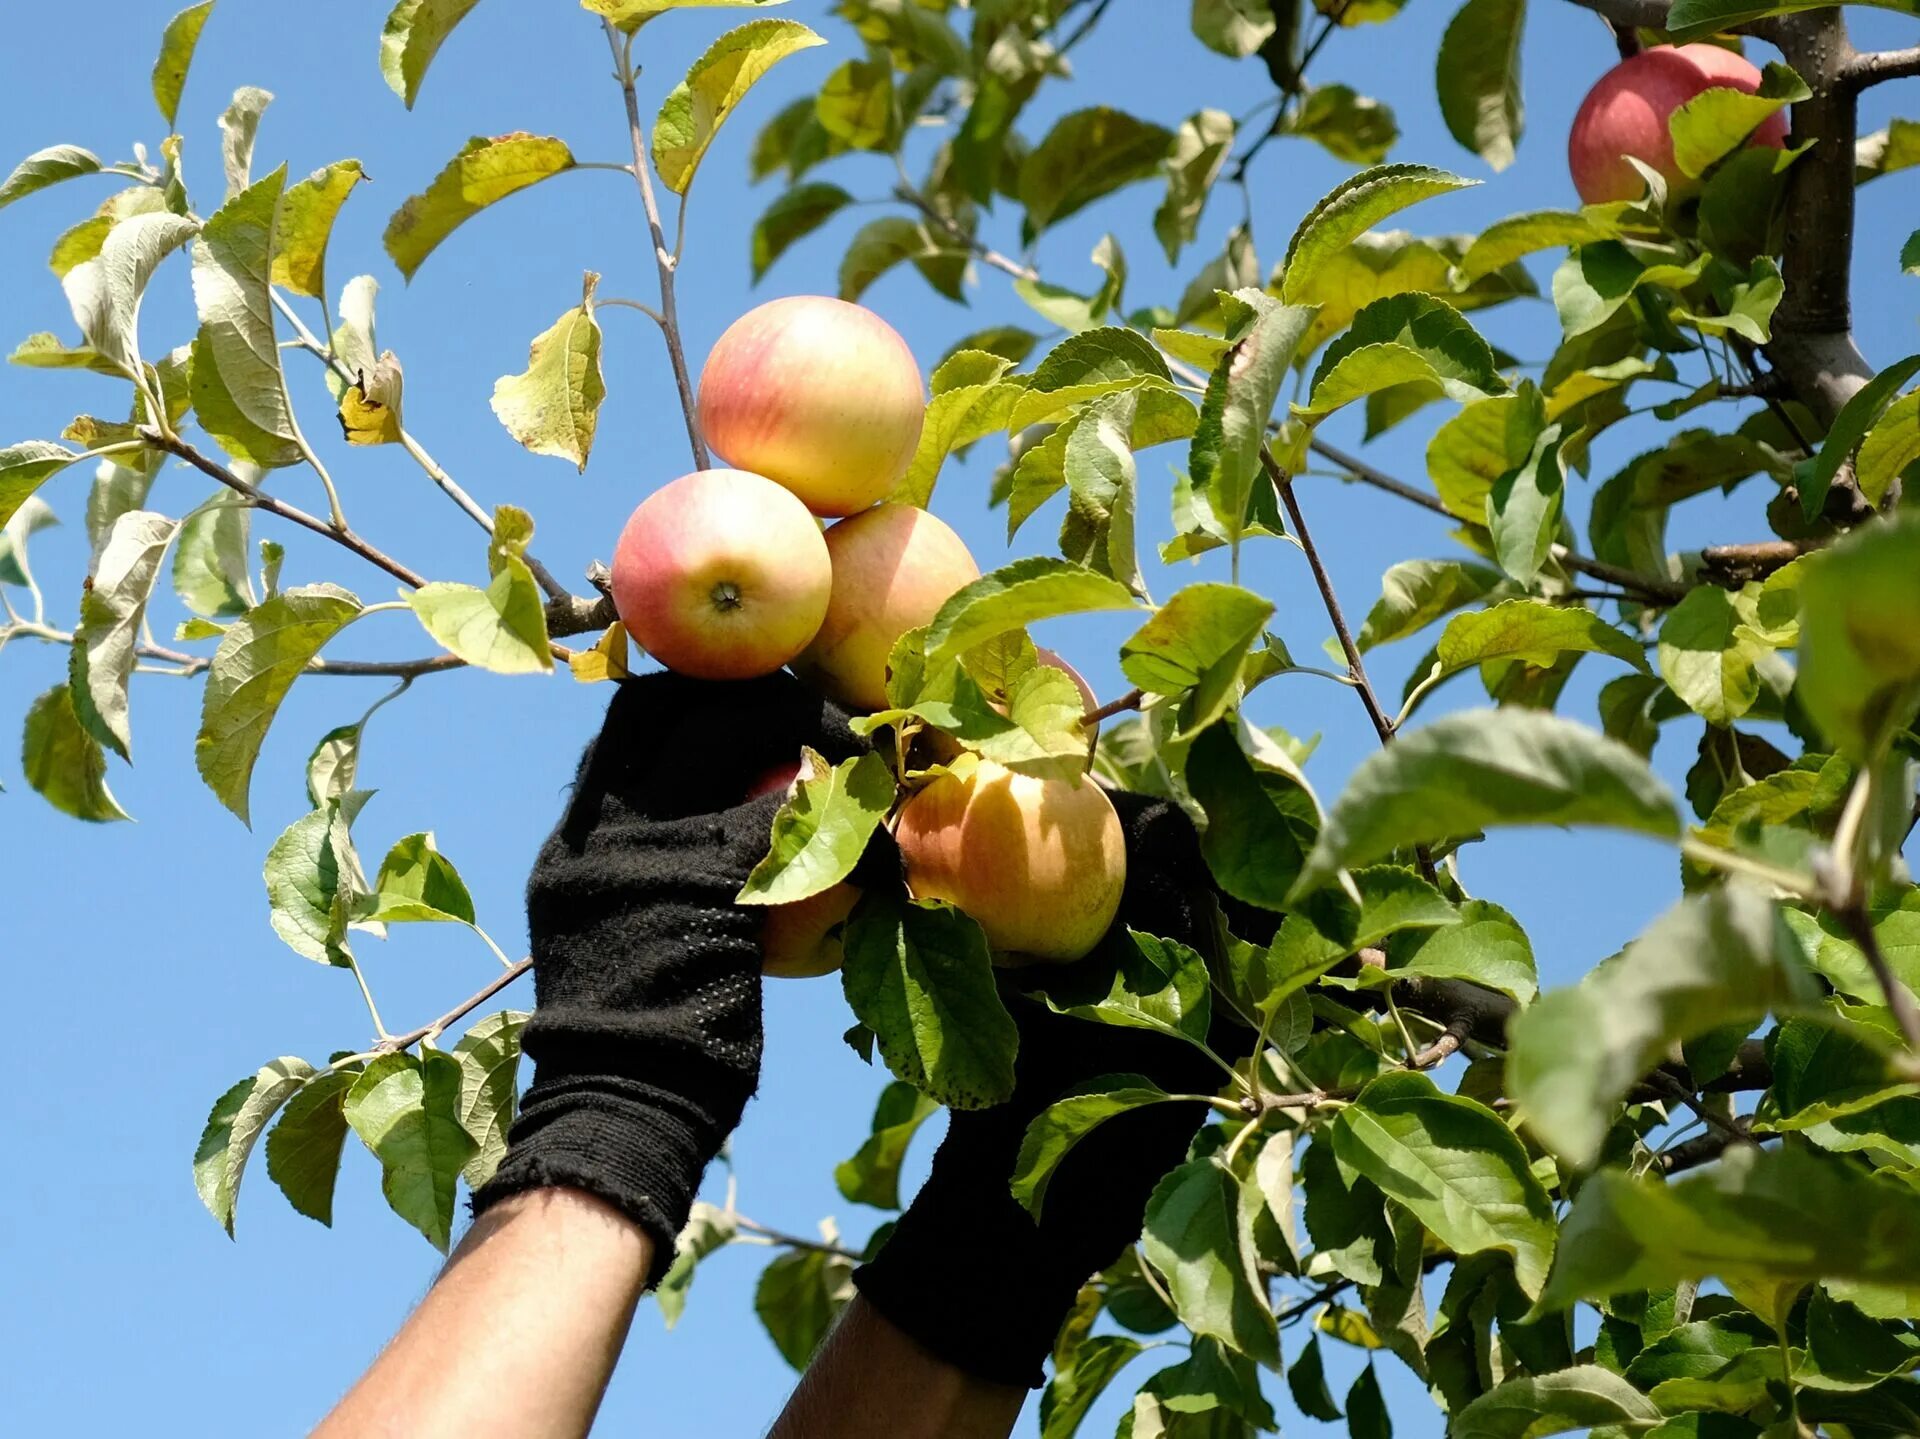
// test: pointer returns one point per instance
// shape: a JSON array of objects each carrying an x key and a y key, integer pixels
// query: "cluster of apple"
[{"x": 726, "y": 574}]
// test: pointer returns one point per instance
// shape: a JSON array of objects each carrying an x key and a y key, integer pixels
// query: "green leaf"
[
  {"x": 105, "y": 292},
  {"x": 1536, "y": 1405},
  {"x": 313, "y": 877},
  {"x": 112, "y": 610},
  {"x": 239, "y": 386},
  {"x": 1200, "y": 150},
  {"x": 32, "y": 517},
  {"x": 920, "y": 977},
  {"x": 1234, "y": 28},
  {"x": 970, "y": 401},
  {"x": 1260, "y": 824},
  {"x": 1083, "y": 367},
  {"x": 485, "y": 171},
  {"x": 1518, "y": 236},
  {"x": 1889, "y": 448},
  {"x": 1213, "y": 1392},
  {"x": 414, "y": 33},
  {"x": 307, "y": 214},
  {"x": 1531, "y": 631},
  {"x": 630, "y": 15},
  {"x": 796, "y": 214},
  {"x": 1348, "y": 125},
  {"x": 1367, "y": 1409},
  {"x": 1086, "y": 155},
  {"x": 303, "y": 1149},
  {"x": 1351, "y": 208},
  {"x": 1478, "y": 72},
  {"x": 1718, "y": 958},
  {"x": 1415, "y": 593},
  {"x": 502, "y": 628},
  {"x": 1307, "y": 1382},
  {"x": 1197, "y": 1238},
  {"x": 1078, "y": 1384},
  {"x": 798, "y": 1297},
  {"x": 1408, "y": 339},
  {"x": 1486, "y": 946},
  {"x": 1101, "y": 480},
  {"x": 210, "y": 562},
  {"x": 1194, "y": 644},
  {"x": 1860, "y": 636},
  {"x": 1483, "y": 768},
  {"x": 821, "y": 832},
  {"x": 239, "y": 1117},
  {"x": 1524, "y": 507},
  {"x": 1717, "y": 121},
  {"x": 489, "y": 1058},
  {"x": 47, "y": 167},
  {"x": 1760, "y": 1216},
  {"x": 855, "y": 105},
  {"x": 239, "y": 126},
  {"x": 707, "y": 1229},
  {"x": 1225, "y": 456},
  {"x": 1708, "y": 650},
  {"x": 1860, "y": 414},
  {"x": 1910, "y": 254},
  {"x": 1454, "y": 1163},
  {"x": 177, "y": 44},
  {"x": 263, "y": 653},
  {"x": 554, "y": 407},
  {"x": 1156, "y": 984},
  {"x": 333, "y": 764},
  {"x": 63, "y": 763},
  {"x": 699, "y": 105},
  {"x": 44, "y": 351},
  {"x": 883, "y": 243},
  {"x": 1489, "y": 439},
  {"x": 872, "y": 1176},
  {"x": 417, "y": 884},
  {"x": 407, "y": 1111},
  {"x": 1052, "y": 1134},
  {"x": 1019, "y": 594}
]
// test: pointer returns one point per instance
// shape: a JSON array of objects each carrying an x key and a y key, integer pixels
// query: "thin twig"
[
  {"x": 986, "y": 253},
  {"x": 1128, "y": 701},
  {"x": 794, "y": 1241},
  {"x": 459, "y": 1011},
  {"x": 664, "y": 258}
]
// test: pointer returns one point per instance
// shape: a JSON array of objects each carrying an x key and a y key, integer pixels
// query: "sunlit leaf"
[
  {"x": 554, "y": 407},
  {"x": 63, "y": 763},
  {"x": 414, "y": 33},
  {"x": 485, "y": 171},
  {"x": 177, "y": 44},
  {"x": 696, "y": 109}
]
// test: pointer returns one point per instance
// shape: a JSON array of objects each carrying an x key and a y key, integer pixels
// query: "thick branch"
[
  {"x": 1879, "y": 65},
  {"x": 1734, "y": 565}
]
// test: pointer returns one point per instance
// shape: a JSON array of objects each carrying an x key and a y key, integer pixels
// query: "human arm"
[{"x": 518, "y": 1336}]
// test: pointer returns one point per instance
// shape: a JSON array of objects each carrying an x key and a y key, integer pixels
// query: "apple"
[
  {"x": 1038, "y": 862},
  {"x": 1626, "y": 114},
  {"x": 801, "y": 940},
  {"x": 893, "y": 567},
  {"x": 722, "y": 575},
  {"x": 818, "y": 395}
]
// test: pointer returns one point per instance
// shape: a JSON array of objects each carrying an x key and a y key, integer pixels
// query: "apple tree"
[{"x": 1679, "y": 1197}]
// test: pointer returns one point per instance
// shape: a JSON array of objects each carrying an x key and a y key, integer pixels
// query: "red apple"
[
  {"x": 818, "y": 395},
  {"x": 1627, "y": 112},
  {"x": 722, "y": 575},
  {"x": 1039, "y": 862},
  {"x": 893, "y": 567}
]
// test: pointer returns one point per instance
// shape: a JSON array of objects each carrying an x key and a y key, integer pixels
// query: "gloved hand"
[
  {"x": 967, "y": 1272},
  {"x": 646, "y": 1028}
]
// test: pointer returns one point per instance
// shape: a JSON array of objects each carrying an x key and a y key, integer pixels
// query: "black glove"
[
  {"x": 646, "y": 1027},
  {"x": 967, "y": 1272}
]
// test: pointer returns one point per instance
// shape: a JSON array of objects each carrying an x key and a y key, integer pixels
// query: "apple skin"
[
  {"x": 893, "y": 567},
  {"x": 722, "y": 575},
  {"x": 818, "y": 395},
  {"x": 1039, "y": 862},
  {"x": 801, "y": 940},
  {"x": 1627, "y": 113}
]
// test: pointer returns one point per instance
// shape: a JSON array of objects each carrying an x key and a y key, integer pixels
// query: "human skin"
[
  {"x": 818, "y": 395},
  {"x": 722, "y": 575},
  {"x": 893, "y": 567},
  {"x": 1627, "y": 114},
  {"x": 1039, "y": 862}
]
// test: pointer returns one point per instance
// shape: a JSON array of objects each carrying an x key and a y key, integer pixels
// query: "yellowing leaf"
[
  {"x": 307, "y": 213},
  {"x": 607, "y": 660},
  {"x": 414, "y": 32},
  {"x": 485, "y": 171},
  {"x": 177, "y": 44},
  {"x": 370, "y": 407},
  {"x": 630, "y": 15},
  {"x": 699, "y": 105},
  {"x": 554, "y": 408}
]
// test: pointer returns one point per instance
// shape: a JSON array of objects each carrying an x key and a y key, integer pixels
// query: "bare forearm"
[
  {"x": 517, "y": 1337},
  {"x": 870, "y": 1381}
]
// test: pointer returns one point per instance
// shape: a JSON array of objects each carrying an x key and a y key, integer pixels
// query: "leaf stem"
[
  {"x": 647, "y": 310},
  {"x": 665, "y": 260},
  {"x": 486, "y": 938},
  {"x": 794, "y": 1241},
  {"x": 1791, "y": 882},
  {"x": 373, "y": 1009}
]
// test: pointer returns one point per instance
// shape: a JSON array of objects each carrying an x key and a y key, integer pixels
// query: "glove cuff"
[{"x": 640, "y": 1149}]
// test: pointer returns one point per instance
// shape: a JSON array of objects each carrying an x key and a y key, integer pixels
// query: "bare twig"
[
  {"x": 795, "y": 1241},
  {"x": 459, "y": 1011},
  {"x": 664, "y": 259},
  {"x": 1128, "y": 701}
]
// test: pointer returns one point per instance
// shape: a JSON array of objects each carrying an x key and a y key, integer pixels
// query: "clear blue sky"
[{"x": 143, "y": 976}]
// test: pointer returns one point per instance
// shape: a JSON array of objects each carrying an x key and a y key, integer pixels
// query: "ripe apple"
[
  {"x": 1039, "y": 862},
  {"x": 893, "y": 567},
  {"x": 1626, "y": 114},
  {"x": 818, "y": 395},
  {"x": 722, "y": 575},
  {"x": 801, "y": 940}
]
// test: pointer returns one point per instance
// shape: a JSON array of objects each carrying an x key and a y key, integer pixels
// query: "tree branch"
[
  {"x": 985, "y": 253},
  {"x": 1128, "y": 701},
  {"x": 1877, "y": 66},
  {"x": 459, "y": 1011},
  {"x": 664, "y": 259}
]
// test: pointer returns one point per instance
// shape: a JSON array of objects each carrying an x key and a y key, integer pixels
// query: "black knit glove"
[
  {"x": 646, "y": 1027},
  {"x": 967, "y": 1272}
]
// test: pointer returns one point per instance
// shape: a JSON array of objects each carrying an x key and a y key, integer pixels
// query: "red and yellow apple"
[
  {"x": 1627, "y": 113},
  {"x": 818, "y": 395},
  {"x": 893, "y": 567},
  {"x": 722, "y": 575},
  {"x": 1038, "y": 862}
]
